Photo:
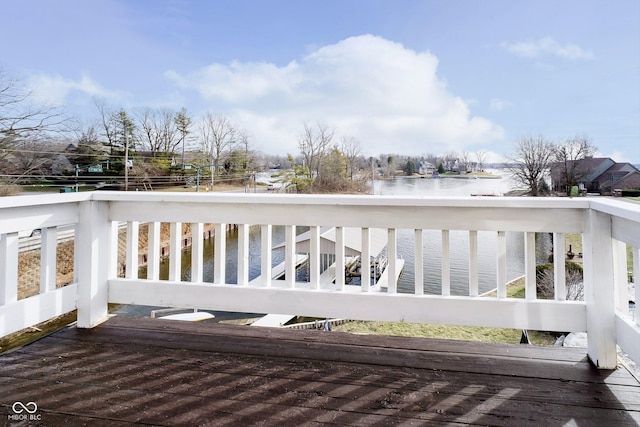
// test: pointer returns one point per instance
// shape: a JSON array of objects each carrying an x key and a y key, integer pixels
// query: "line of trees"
[
  {"x": 150, "y": 142},
  {"x": 324, "y": 165}
]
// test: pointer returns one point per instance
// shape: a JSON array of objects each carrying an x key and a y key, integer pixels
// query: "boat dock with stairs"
[{"x": 378, "y": 264}]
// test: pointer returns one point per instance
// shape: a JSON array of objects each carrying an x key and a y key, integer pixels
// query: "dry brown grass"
[{"x": 9, "y": 190}]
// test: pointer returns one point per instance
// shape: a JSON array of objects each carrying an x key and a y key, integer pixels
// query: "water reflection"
[{"x": 459, "y": 243}]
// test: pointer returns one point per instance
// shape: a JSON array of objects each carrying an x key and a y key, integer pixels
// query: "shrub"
[
  {"x": 630, "y": 193},
  {"x": 573, "y": 281},
  {"x": 9, "y": 190}
]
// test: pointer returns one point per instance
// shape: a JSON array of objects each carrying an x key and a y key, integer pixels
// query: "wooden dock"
[{"x": 172, "y": 373}]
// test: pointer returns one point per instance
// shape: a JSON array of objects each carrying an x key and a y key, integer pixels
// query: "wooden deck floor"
[{"x": 161, "y": 372}]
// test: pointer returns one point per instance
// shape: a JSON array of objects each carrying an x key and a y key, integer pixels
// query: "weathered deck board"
[{"x": 162, "y": 372}]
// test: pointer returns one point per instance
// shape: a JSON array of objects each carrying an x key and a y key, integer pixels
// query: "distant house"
[
  {"x": 426, "y": 168},
  {"x": 599, "y": 175}
]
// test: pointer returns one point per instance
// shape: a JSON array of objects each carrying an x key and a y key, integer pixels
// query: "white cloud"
[
  {"x": 56, "y": 89},
  {"x": 548, "y": 46},
  {"x": 499, "y": 104},
  {"x": 387, "y": 96}
]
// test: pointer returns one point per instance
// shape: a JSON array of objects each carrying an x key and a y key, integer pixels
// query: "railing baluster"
[
  {"x": 290, "y": 256},
  {"x": 620, "y": 275},
  {"x": 243, "y": 254},
  {"x": 9, "y": 248},
  {"x": 340, "y": 256},
  {"x": 501, "y": 265},
  {"x": 266, "y": 233},
  {"x": 446, "y": 264},
  {"x": 530, "y": 265},
  {"x": 365, "y": 270},
  {"x": 132, "y": 250},
  {"x": 175, "y": 251},
  {"x": 220, "y": 254},
  {"x": 314, "y": 257},
  {"x": 559, "y": 273},
  {"x": 76, "y": 249},
  {"x": 473, "y": 263},
  {"x": 197, "y": 252},
  {"x": 48, "y": 246},
  {"x": 392, "y": 254},
  {"x": 636, "y": 277},
  {"x": 114, "y": 231},
  {"x": 418, "y": 253},
  {"x": 153, "y": 251}
]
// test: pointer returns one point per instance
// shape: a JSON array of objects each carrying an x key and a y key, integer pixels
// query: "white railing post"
[
  {"x": 290, "y": 256},
  {"x": 132, "y": 250},
  {"x": 112, "y": 264},
  {"x": 220, "y": 253},
  {"x": 93, "y": 262},
  {"x": 636, "y": 277},
  {"x": 9, "y": 272},
  {"x": 76, "y": 249},
  {"x": 446, "y": 264},
  {"x": 599, "y": 290},
  {"x": 175, "y": 251},
  {"x": 501, "y": 265},
  {"x": 559, "y": 273},
  {"x": 314, "y": 257},
  {"x": 418, "y": 255},
  {"x": 266, "y": 234},
  {"x": 48, "y": 246},
  {"x": 392, "y": 253},
  {"x": 365, "y": 260},
  {"x": 473, "y": 263},
  {"x": 243, "y": 254},
  {"x": 153, "y": 250},
  {"x": 197, "y": 252},
  {"x": 340, "y": 263},
  {"x": 620, "y": 275},
  {"x": 530, "y": 265}
]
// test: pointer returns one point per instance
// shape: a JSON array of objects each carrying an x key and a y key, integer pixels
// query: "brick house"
[{"x": 599, "y": 175}]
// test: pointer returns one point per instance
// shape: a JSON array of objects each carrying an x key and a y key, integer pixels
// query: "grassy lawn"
[
  {"x": 575, "y": 240},
  {"x": 466, "y": 333}
]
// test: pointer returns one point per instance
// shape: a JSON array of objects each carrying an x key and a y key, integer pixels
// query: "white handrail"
[{"x": 95, "y": 216}]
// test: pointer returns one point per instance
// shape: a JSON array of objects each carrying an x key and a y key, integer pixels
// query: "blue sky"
[{"x": 401, "y": 76}]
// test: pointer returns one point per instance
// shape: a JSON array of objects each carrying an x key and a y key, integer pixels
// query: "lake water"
[{"x": 459, "y": 241}]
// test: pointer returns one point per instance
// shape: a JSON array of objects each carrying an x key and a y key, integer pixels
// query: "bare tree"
[
  {"x": 463, "y": 161},
  {"x": 350, "y": 148},
  {"x": 530, "y": 161},
  {"x": 108, "y": 124},
  {"x": 158, "y": 131},
  {"x": 481, "y": 157},
  {"x": 314, "y": 145},
  {"x": 31, "y": 157},
  {"x": 568, "y": 164},
  {"x": 217, "y": 135},
  {"x": 21, "y": 121}
]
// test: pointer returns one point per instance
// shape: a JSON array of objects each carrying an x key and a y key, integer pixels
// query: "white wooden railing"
[{"x": 606, "y": 225}]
